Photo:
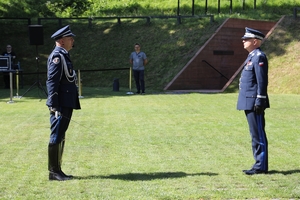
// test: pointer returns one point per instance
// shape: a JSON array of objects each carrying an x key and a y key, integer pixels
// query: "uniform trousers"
[
  {"x": 60, "y": 125},
  {"x": 259, "y": 139}
]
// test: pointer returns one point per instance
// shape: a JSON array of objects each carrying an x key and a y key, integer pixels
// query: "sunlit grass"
[
  {"x": 170, "y": 7},
  {"x": 155, "y": 146}
]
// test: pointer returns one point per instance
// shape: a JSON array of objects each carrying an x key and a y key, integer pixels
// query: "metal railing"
[
  {"x": 215, "y": 69},
  {"x": 119, "y": 18},
  {"x": 16, "y": 18}
]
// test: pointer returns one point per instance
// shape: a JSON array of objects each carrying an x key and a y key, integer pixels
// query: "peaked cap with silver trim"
[
  {"x": 252, "y": 33},
  {"x": 63, "y": 32}
]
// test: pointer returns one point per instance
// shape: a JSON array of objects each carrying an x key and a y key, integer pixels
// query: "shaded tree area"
[
  {"x": 15, "y": 8},
  {"x": 43, "y": 8}
]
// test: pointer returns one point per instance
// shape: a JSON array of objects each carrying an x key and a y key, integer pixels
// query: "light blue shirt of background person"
[{"x": 138, "y": 59}]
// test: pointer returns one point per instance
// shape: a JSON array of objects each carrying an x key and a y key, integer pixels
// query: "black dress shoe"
[
  {"x": 254, "y": 171},
  {"x": 57, "y": 176},
  {"x": 68, "y": 176}
]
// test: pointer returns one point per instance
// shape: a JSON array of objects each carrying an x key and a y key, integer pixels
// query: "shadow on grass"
[
  {"x": 145, "y": 176},
  {"x": 288, "y": 172}
]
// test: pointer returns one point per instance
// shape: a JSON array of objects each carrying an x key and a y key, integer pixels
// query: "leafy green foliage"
[
  {"x": 89, "y": 8},
  {"x": 43, "y": 8},
  {"x": 68, "y": 8},
  {"x": 25, "y": 8}
]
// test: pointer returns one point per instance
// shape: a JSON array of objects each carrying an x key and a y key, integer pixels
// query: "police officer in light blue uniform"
[
  {"x": 253, "y": 98},
  {"x": 62, "y": 99}
]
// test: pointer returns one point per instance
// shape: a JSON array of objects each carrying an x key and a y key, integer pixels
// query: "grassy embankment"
[{"x": 168, "y": 45}]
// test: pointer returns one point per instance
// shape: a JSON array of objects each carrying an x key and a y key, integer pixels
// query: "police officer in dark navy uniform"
[
  {"x": 253, "y": 98},
  {"x": 62, "y": 99}
]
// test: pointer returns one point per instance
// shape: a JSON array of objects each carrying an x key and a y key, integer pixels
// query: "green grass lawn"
[{"x": 154, "y": 146}]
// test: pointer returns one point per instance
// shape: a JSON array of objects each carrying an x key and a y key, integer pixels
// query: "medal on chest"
[{"x": 248, "y": 64}]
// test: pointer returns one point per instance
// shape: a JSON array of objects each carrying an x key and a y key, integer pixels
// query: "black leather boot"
[
  {"x": 53, "y": 164},
  {"x": 61, "y": 151}
]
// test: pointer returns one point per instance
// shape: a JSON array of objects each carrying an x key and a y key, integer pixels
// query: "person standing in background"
[
  {"x": 13, "y": 56},
  {"x": 138, "y": 60}
]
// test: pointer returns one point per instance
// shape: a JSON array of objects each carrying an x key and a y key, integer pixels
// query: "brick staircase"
[{"x": 219, "y": 60}]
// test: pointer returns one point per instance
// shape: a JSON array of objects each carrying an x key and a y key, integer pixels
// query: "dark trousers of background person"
[
  {"x": 139, "y": 80},
  {"x": 6, "y": 79},
  {"x": 259, "y": 139}
]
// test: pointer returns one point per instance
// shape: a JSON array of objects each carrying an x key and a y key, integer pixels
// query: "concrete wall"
[{"x": 218, "y": 60}]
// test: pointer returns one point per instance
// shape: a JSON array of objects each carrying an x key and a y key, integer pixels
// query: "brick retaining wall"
[{"x": 218, "y": 60}]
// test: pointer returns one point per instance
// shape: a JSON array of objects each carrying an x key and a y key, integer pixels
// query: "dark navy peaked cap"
[
  {"x": 63, "y": 32},
  {"x": 252, "y": 33}
]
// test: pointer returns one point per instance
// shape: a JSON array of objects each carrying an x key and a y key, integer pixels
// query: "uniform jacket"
[
  {"x": 62, "y": 90},
  {"x": 254, "y": 82}
]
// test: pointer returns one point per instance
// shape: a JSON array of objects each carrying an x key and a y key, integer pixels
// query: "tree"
[
  {"x": 69, "y": 8},
  {"x": 44, "y": 8}
]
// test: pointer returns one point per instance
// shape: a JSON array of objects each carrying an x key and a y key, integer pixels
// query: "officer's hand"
[
  {"x": 54, "y": 111},
  {"x": 258, "y": 110}
]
